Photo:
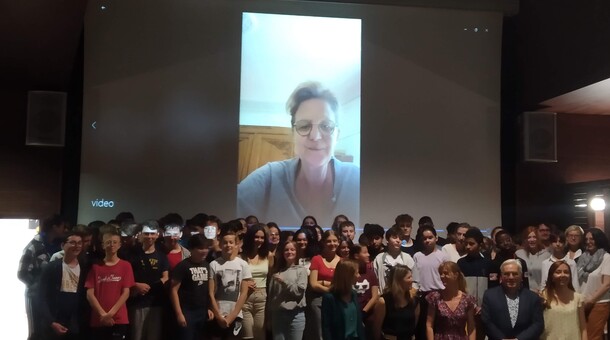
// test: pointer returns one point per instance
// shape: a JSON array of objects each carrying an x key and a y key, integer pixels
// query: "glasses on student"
[{"x": 303, "y": 127}]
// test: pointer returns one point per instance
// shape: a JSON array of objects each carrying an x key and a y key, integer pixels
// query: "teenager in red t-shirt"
[
  {"x": 320, "y": 279},
  {"x": 108, "y": 285}
]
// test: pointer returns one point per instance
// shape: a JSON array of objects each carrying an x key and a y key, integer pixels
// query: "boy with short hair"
[
  {"x": 391, "y": 257},
  {"x": 506, "y": 251},
  {"x": 455, "y": 249},
  {"x": 151, "y": 271},
  {"x": 474, "y": 265},
  {"x": 374, "y": 234},
  {"x": 108, "y": 285},
  {"x": 229, "y": 286},
  {"x": 62, "y": 291},
  {"x": 405, "y": 223},
  {"x": 348, "y": 229},
  {"x": 189, "y": 291}
]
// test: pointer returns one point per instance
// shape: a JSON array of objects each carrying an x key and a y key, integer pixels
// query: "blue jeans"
[
  {"x": 313, "y": 316},
  {"x": 195, "y": 323},
  {"x": 288, "y": 324}
]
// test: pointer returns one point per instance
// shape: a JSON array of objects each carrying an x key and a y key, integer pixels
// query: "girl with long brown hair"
[
  {"x": 322, "y": 271},
  {"x": 341, "y": 316},
  {"x": 564, "y": 314},
  {"x": 397, "y": 310},
  {"x": 256, "y": 254},
  {"x": 287, "y": 294}
]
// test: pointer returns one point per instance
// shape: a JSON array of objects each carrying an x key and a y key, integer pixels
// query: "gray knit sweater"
[{"x": 289, "y": 293}]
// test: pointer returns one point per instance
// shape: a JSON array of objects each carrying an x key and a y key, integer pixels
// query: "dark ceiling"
[{"x": 39, "y": 42}]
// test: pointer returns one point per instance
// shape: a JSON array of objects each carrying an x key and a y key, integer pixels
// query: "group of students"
[{"x": 204, "y": 279}]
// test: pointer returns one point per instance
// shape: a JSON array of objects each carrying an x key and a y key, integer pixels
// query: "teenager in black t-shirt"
[
  {"x": 150, "y": 271},
  {"x": 189, "y": 290}
]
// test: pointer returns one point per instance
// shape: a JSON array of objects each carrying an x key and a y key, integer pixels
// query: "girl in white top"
[
  {"x": 533, "y": 253},
  {"x": 256, "y": 253}
]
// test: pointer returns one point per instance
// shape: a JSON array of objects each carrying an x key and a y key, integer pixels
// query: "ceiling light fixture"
[{"x": 597, "y": 204}]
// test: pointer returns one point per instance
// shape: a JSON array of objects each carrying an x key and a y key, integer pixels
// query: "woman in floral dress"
[{"x": 451, "y": 311}]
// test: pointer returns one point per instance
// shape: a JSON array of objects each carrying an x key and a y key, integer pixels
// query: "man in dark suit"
[{"x": 511, "y": 311}]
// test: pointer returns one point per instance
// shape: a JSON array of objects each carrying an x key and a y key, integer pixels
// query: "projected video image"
[{"x": 299, "y": 146}]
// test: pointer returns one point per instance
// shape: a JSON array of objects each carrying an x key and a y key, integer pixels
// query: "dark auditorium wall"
[
  {"x": 42, "y": 51},
  {"x": 551, "y": 48},
  {"x": 37, "y": 181},
  {"x": 583, "y": 146},
  {"x": 30, "y": 177}
]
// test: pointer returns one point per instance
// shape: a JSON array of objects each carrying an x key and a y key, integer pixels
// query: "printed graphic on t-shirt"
[
  {"x": 199, "y": 275},
  {"x": 229, "y": 284},
  {"x": 388, "y": 264},
  {"x": 362, "y": 287},
  {"x": 109, "y": 278},
  {"x": 153, "y": 262},
  {"x": 69, "y": 279}
]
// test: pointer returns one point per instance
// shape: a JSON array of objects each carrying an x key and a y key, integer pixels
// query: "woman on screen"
[{"x": 314, "y": 182}]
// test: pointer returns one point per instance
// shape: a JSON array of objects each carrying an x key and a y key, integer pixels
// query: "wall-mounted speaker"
[
  {"x": 539, "y": 136},
  {"x": 46, "y": 119}
]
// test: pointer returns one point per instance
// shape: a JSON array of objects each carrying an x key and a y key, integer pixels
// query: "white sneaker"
[{"x": 237, "y": 327}]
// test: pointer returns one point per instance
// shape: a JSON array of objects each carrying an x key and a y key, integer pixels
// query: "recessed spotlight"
[
  {"x": 598, "y": 204},
  {"x": 103, "y": 7}
]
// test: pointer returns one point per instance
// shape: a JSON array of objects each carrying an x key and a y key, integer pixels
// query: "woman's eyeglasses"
[{"x": 303, "y": 128}]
